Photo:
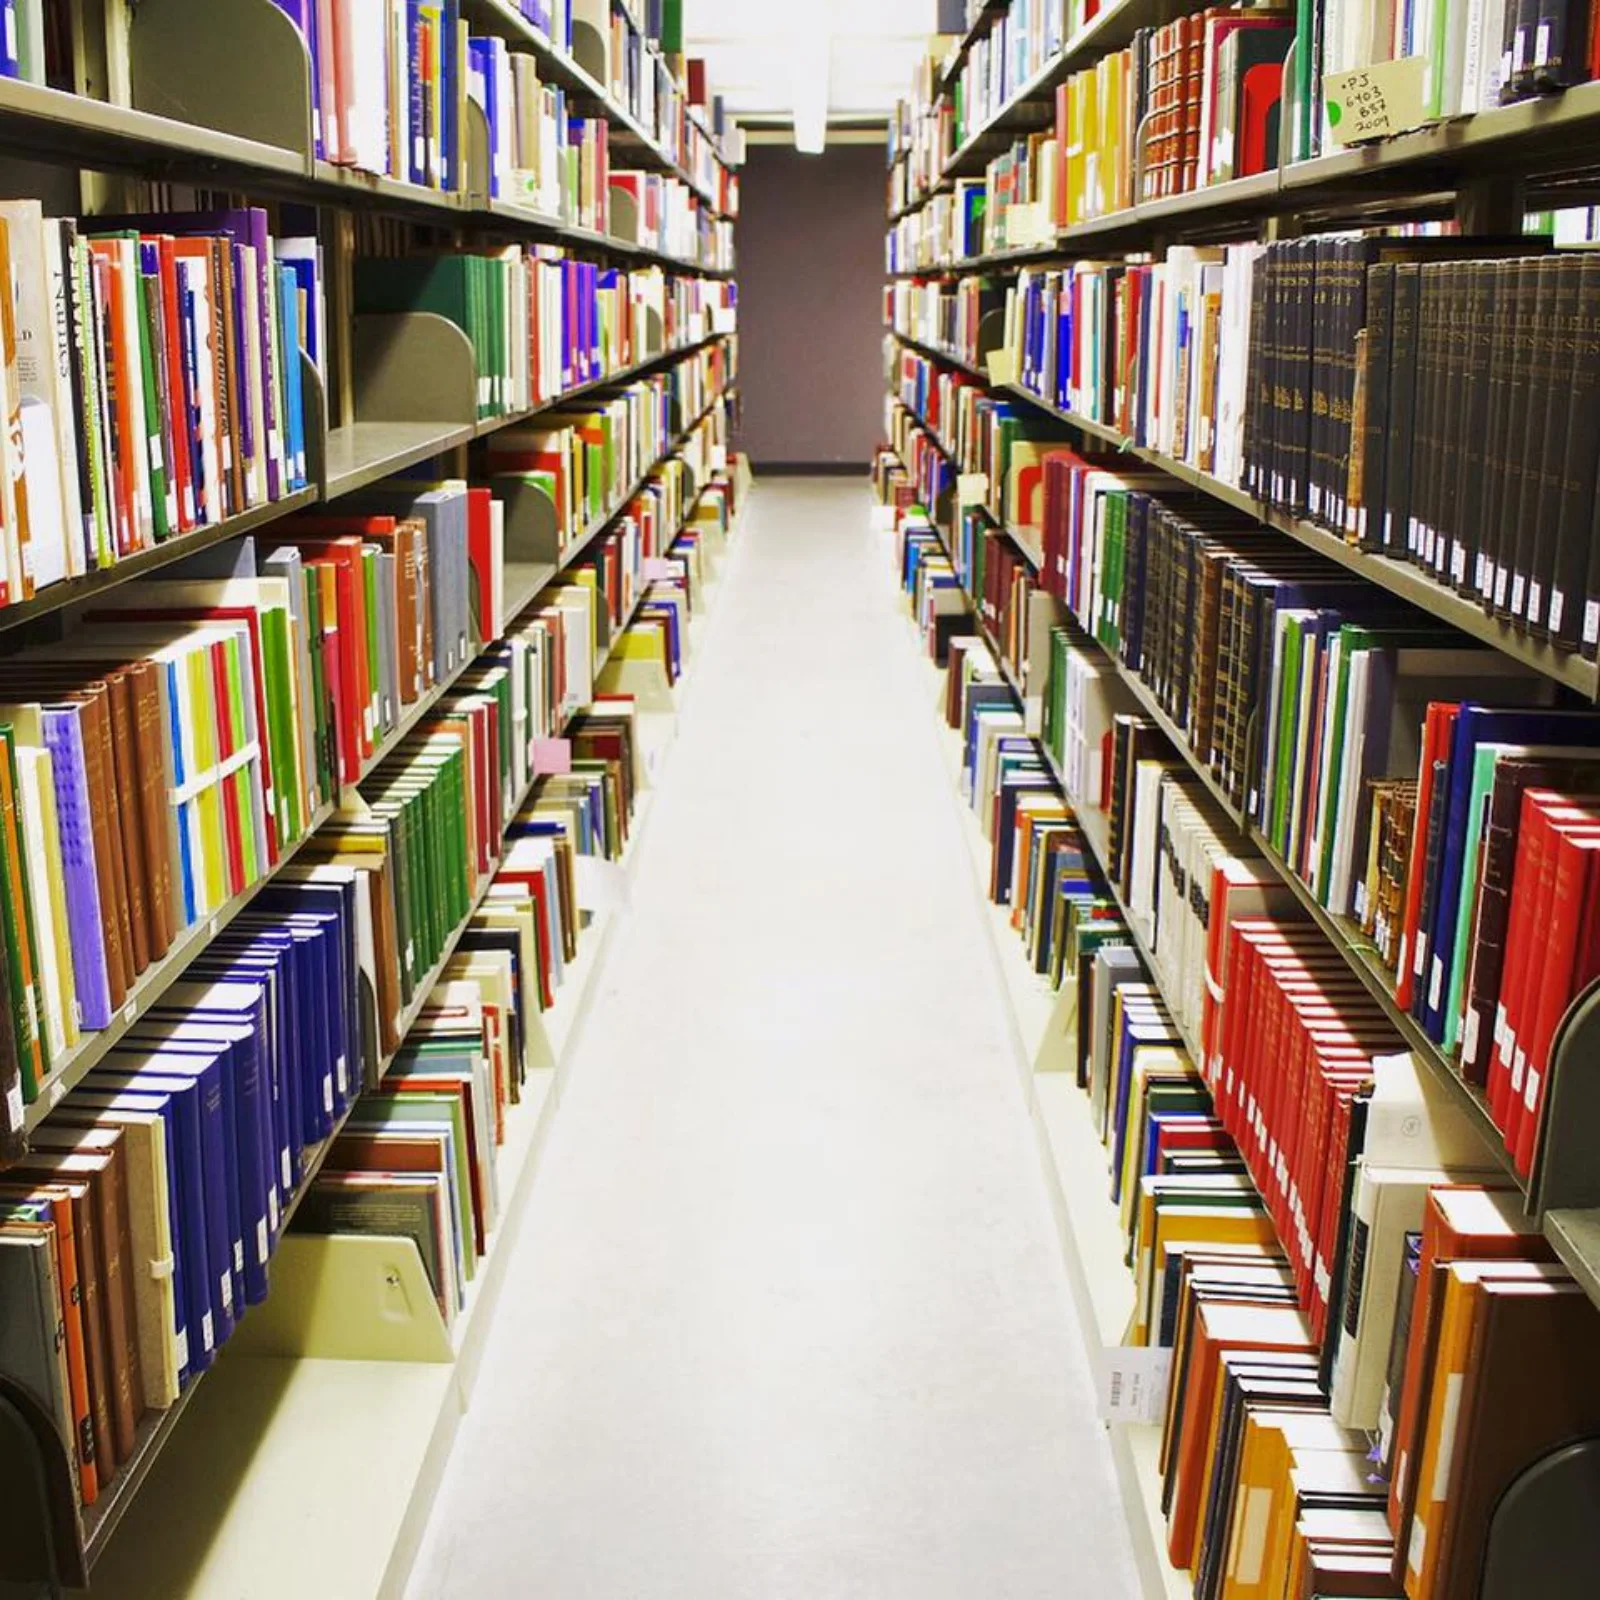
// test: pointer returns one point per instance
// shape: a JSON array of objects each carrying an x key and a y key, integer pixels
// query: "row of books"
[
  {"x": 1200, "y": 100},
  {"x": 1390, "y": 425},
  {"x": 539, "y": 325},
  {"x": 419, "y": 1156},
  {"x": 37, "y": 45},
  {"x": 1022, "y": 39},
  {"x": 1475, "y": 56},
  {"x": 391, "y": 83},
  {"x": 1268, "y": 1473},
  {"x": 192, "y": 731},
  {"x": 151, "y": 382},
  {"x": 582, "y": 459}
]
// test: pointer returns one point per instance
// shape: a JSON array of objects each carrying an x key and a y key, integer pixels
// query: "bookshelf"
[
  {"x": 989, "y": 184},
  {"x": 171, "y": 106}
]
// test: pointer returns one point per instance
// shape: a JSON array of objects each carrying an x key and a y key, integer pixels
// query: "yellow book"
[{"x": 41, "y": 842}]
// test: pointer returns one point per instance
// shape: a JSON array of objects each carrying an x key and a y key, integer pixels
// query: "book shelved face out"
[
  {"x": 1258, "y": 574},
  {"x": 338, "y": 499}
]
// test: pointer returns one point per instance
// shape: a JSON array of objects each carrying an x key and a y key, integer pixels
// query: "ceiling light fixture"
[{"x": 813, "y": 50}]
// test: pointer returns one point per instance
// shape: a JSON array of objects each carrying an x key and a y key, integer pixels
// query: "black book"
[
  {"x": 1561, "y": 44},
  {"x": 1299, "y": 460},
  {"x": 1519, "y": 81},
  {"x": 1509, "y": 497},
  {"x": 1453, "y": 313},
  {"x": 1319, "y": 438},
  {"x": 1475, "y": 421},
  {"x": 1580, "y": 460},
  {"x": 1425, "y": 424},
  {"x": 1541, "y": 381},
  {"x": 1380, "y": 336},
  {"x": 1502, "y": 295},
  {"x": 1553, "y": 443},
  {"x": 1399, "y": 451}
]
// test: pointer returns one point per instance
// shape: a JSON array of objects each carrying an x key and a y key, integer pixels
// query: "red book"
[
  {"x": 1571, "y": 962},
  {"x": 480, "y": 563},
  {"x": 179, "y": 440}
]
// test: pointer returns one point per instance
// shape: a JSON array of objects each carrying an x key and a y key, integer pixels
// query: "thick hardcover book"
[{"x": 1568, "y": 570}]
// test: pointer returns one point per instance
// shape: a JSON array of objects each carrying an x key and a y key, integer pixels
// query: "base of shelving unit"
[
  {"x": 325, "y": 1471},
  {"x": 1076, "y": 1175}
]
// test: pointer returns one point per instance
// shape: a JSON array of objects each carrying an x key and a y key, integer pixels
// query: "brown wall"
[{"x": 810, "y": 259}]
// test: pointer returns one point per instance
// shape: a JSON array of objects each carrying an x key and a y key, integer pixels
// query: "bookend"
[
  {"x": 236, "y": 66},
  {"x": 991, "y": 335},
  {"x": 314, "y": 408},
  {"x": 643, "y": 678},
  {"x": 623, "y": 222},
  {"x": 40, "y": 1538},
  {"x": 591, "y": 41},
  {"x": 346, "y": 1297},
  {"x": 413, "y": 367},
  {"x": 1544, "y": 1537},
  {"x": 655, "y": 337},
  {"x": 477, "y": 177},
  {"x": 1566, "y": 1171}
]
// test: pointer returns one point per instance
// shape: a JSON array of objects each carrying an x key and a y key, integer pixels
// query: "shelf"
[
  {"x": 1397, "y": 577},
  {"x": 364, "y": 452},
  {"x": 72, "y": 591},
  {"x": 495, "y": 212},
  {"x": 1576, "y": 1237},
  {"x": 52, "y": 124}
]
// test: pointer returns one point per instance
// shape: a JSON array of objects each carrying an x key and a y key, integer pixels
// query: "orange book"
[{"x": 1218, "y": 1326}]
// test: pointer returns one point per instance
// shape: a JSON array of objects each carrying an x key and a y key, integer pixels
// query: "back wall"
[{"x": 809, "y": 248}]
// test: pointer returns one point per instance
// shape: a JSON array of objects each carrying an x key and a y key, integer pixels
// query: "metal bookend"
[
  {"x": 346, "y": 1297},
  {"x": 1566, "y": 1170},
  {"x": 236, "y": 66},
  {"x": 314, "y": 414},
  {"x": 533, "y": 529},
  {"x": 991, "y": 335},
  {"x": 623, "y": 220},
  {"x": 1544, "y": 1538},
  {"x": 591, "y": 38},
  {"x": 413, "y": 367},
  {"x": 476, "y": 180},
  {"x": 40, "y": 1537}
]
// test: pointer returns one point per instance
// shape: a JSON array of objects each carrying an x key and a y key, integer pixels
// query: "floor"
[{"x": 788, "y": 1316}]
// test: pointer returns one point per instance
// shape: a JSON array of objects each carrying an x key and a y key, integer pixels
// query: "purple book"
[
  {"x": 302, "y": 13},
  {"x": 63, "y": 737}
]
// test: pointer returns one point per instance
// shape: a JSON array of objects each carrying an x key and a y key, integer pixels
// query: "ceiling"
[{"x": 753, "y": 49}]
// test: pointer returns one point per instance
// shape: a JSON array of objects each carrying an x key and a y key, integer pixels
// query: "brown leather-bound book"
[
  {"x": 154, "y": 812},
  {"x": 1534, "y": 1386},
  {"x": 125, "y": 766},
  {"x": 101, "y": 1149},
  {"x": 56, "y": 1171}
]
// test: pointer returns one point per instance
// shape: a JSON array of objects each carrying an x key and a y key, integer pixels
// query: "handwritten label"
[
  {"x": 552, "y": 758},
  {"x": 1375, "y": 101},
  {"x": 1131, "y": 1383},
  {"x": 972, "y": 489},
  {"x": 1002, "y": 365}
]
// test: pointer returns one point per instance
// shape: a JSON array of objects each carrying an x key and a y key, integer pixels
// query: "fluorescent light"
[{"x": 813, "y": 52}]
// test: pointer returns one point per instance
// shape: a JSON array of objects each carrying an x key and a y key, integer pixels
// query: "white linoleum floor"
[{"x": 788, "y": 1316}]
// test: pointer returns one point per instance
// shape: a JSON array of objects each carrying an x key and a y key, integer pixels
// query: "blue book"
[
  {"x": 237, "y": 1052},
  {"x": 334, "y": 902},
  {"x": 294, "y": 413},
  {"x": 179, "y": 1224},
  {"x": 316, "y": 998},
  {"x": 207, "y": 1186},
  {"x": 453, "y": 70},
  {"x": 416, "y": 156}
]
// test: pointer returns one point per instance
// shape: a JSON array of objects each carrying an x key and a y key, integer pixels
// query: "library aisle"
[{"x": 788, "y": 1316}]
